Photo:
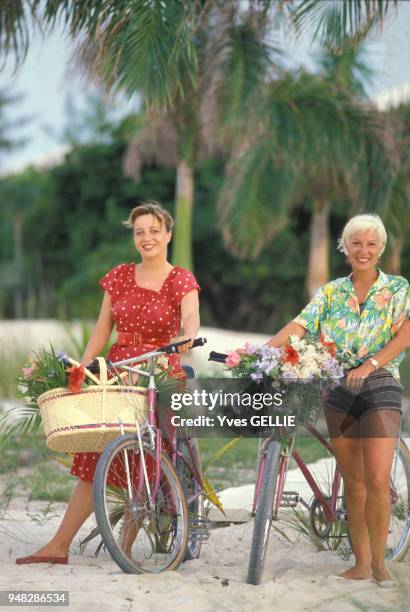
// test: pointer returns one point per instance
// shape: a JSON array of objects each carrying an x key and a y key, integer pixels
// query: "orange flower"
[
  {"x": 351, "y": 302},
  {"x": 382, "y": 298},
  {"x": 76, "y": 377},
  {"x": 398, "y": 323}
]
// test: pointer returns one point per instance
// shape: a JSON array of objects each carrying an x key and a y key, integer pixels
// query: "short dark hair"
[{"x": 150, "y": 208}]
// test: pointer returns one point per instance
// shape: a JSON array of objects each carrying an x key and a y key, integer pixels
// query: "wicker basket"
[{"x": 89, "y": 420}]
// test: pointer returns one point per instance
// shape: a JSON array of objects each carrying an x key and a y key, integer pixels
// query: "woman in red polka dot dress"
[{"x": 147, "y": 302}]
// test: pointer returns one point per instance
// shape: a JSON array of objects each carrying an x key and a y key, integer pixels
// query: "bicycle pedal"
[
  {"x": 290, "y": 499},
  {"x": 199, "y": 528}
]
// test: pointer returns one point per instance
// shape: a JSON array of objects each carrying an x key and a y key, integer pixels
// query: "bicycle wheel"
[
  {"x": 398, "y": 537},
  {"x": 194, "y": 496},
  {"x": 142, "y": 535},
  {"x": 264, "y": 514},
  {"x": 318, "y": 520}
]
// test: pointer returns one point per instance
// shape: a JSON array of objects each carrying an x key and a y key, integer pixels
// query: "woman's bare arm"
[
  {"x": 282, "y": 337},
  {"x": 101, "y": 332},
  {"x": 190, "y": 318}
]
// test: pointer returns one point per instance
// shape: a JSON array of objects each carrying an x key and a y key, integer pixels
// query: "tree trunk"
[
  {"x": 182, "y": 241},
  {"x": 393, "y": 261},
  {"x": 31, "y": 303},
  {"x": 18, "y": 262},
  {"x": 318, "y": 263}
]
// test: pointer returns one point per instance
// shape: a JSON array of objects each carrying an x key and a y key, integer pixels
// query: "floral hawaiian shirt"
[{"x": 335, "y": 312}]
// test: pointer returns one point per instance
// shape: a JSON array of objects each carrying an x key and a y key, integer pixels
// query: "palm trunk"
[
  {"x": 318, "y": 264},
  {"x": 18, "y": 262},
  {"x": 393, "y": 261},
  {"x": 182, "y": 241}
]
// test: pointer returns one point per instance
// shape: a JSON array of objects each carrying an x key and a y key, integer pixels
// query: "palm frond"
[
  {"x": 19, "y": 421},
  {"x": 340, "y": 22},
  {"x": 246, "y": 60},
  {"x": 309, "y": 137},
  {"x": 347, "y": 70},
  {"x": 252, "y": 202},
  {"x": 156, "y": 140},
  {"x": 147, "y": 47}
]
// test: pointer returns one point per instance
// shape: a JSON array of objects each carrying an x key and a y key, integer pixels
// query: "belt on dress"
[{"x": 136, "y": 340}]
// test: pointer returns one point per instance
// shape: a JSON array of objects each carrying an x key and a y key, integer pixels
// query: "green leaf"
[{"x": 340, "y": 22}]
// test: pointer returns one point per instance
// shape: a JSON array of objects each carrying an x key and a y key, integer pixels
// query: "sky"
[{"x": 47, "y": 79}]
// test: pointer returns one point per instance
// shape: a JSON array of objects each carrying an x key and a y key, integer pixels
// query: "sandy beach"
[{"x": 296, "y": 577}]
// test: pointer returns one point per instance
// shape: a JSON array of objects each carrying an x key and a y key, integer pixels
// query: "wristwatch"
[{"x": 374, "y": 362}]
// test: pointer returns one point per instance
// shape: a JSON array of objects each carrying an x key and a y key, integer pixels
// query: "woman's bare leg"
[
  {"x": 78, "y": 510},
  {"x": 378, "y": 458},
  {"x": 348, "y": 454},
  {"x": 130, "y": 531}
]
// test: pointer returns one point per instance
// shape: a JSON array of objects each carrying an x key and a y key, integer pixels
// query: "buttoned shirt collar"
[{"x": 380, "y": 282}]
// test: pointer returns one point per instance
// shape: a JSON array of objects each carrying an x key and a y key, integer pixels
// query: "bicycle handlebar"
[
  {"x": 168, "y": 349},
  {"x": 172, "y": 348},
  {"x": 218, "y": 357}
]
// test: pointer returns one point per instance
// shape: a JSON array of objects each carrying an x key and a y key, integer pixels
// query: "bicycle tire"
[
  {"x": 321, "y": 527},
  {"x": 191, "y": 486},
  {"x": 106, "y": 526},
  {"x": 402, "y": 507},
  {"x": 264, "y": 514}
]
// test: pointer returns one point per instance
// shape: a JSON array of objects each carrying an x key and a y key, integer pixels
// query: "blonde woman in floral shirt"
[{"x": 367, "y": 316}]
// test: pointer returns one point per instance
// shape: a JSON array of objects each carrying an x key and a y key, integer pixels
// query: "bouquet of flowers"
[
  {"x": 301, "y": 370},
  {"x": 296, "y": 361},
  {"x": 48, "y": 370}
]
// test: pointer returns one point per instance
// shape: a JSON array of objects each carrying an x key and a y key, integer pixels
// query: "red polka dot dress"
[{"x": 149, "y": 319}]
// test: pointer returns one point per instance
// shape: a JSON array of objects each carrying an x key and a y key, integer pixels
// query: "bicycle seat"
[{"x": 189, "y": 371}]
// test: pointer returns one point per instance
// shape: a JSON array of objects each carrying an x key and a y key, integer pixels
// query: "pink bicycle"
[
  {"x": 148, "y": 490},
  {"x": 325, "y": 510}
]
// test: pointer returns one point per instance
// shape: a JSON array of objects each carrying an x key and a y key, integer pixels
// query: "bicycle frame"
[
  {"x": 328, "y": 504},
  {"x": 329, "y": 507},
  {"x": 155, "y": 431}
]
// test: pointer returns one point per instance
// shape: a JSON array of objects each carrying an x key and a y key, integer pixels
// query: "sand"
[{"x": 296, "y": 577}]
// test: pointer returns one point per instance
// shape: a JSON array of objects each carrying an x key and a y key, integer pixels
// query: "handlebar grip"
[
  {"x": 172, "y": 348},
  {"x": 199, "y": 342},
  {"x": 218, "y": 357}
]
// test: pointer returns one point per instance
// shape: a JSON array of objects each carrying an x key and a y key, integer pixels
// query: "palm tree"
[
  {"x": 397, "y": 141},
  {"x": 13, "y": 274},
  {"x": 157, "y": 48},
  {"x": 312, "y": 141}
]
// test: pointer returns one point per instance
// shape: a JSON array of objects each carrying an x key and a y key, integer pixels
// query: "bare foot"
[
  {"x": 381, "y": 574},
  {"x": 356, "y": 573},
  {"x": 51, "y": 550}
]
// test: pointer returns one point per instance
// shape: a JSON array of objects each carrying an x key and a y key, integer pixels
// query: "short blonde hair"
[
  {"x": 150, "y": 208},
  {"x": 362, "y": 223}
]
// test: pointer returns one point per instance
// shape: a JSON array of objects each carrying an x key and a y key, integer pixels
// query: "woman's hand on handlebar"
[{"x": 184, "y": 348}]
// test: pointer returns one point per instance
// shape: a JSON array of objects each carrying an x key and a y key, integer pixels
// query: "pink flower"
[
  {"x": 27, "y": 372},
  {"x": 382, "y": 298},
  {"x": 233, "y": 359},
  {"x": 250, "y": 349}
]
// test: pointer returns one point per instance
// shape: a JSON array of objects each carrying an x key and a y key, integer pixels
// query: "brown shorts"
[
  {"x": 380, "y": 390},
  {"x": 361, "y": 411}
]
